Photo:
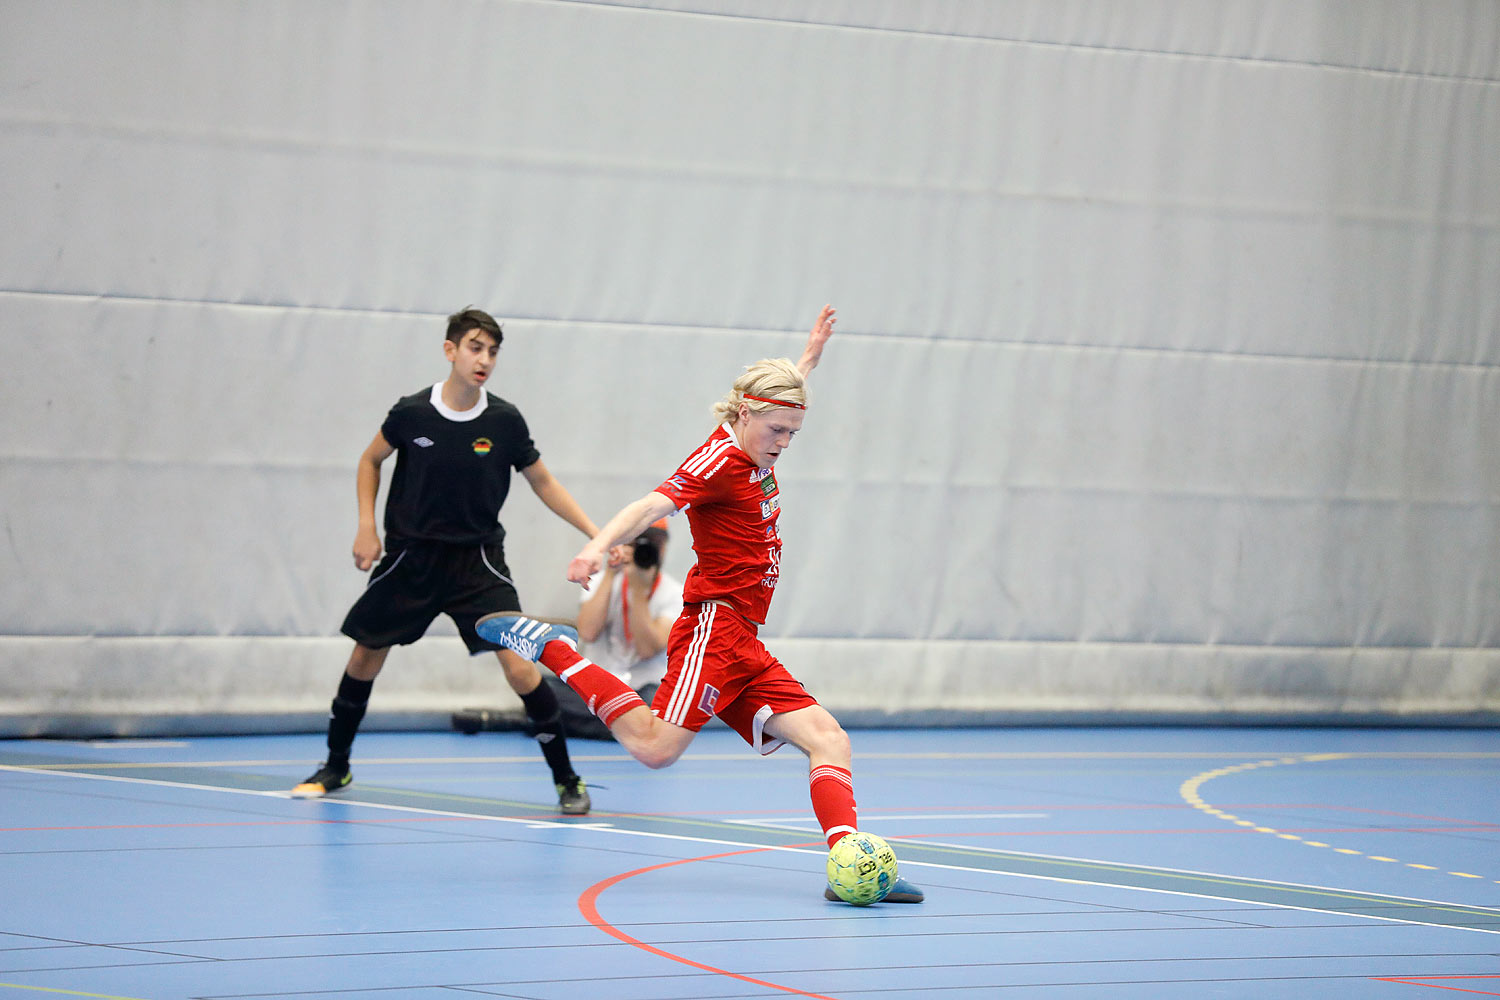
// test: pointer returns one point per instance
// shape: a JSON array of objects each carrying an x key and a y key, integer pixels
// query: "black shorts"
[{"x": 415, "y": 583}]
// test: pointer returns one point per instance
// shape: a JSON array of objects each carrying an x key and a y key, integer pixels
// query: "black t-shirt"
[{"x": 452, "y": 469}]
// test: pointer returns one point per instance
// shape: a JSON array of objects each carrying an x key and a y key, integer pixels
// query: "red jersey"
[{"x": 732, "y": 507}]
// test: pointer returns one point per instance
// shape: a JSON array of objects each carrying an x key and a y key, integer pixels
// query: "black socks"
[
  {"x": 545, "y": 716},
  {"x": 348, "y": 710}
]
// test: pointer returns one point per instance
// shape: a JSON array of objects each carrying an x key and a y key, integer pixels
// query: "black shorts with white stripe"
[{"x": 417, "y": 581}]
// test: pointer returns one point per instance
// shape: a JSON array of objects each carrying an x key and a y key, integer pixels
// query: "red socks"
[
  {"x": 606, "y": 695},
  {"x": 832, "y": 790}
]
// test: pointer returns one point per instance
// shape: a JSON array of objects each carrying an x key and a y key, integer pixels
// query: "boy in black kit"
[{"x": 455, "y": 445}]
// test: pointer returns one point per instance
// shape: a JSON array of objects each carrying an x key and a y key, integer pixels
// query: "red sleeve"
[
  {"x": 686, "y": 490},
  {"x": 694, "y": 481}
]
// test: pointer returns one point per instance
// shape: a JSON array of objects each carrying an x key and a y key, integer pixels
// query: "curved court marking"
[
  {"x": 1189, "y": 792},
  {"x": 588, "y": 905}
]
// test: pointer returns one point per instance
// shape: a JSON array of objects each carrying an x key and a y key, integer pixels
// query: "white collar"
[{"x": 461, "y": 416}]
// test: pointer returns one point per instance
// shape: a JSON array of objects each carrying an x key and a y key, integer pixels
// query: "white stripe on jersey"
[
  {"x": 705, "y": 457},
  {"x": 692, "y": 668}
]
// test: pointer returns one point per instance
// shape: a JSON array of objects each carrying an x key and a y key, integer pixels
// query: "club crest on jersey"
[
  {"x": 482, "y": 446},
  {"x": 769, "y": 506},
  {"x": 709, "y": 702}
]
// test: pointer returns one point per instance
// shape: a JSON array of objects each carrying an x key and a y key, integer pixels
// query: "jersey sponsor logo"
[
  {"x": 716, "y": 468},
  {"x": 769, "y": 506},
  {"x": 768, "y": 485},
  {"x": 676, "y": 482},
  {"x": 424, "y": 442},
  {"x": 773, "y": 568},
  {"x": 756, "y": 475},
  {"x": 482, "y": 446}
]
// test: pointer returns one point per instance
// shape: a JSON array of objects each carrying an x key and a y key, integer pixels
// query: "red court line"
[
  {"x": 588, "y": 905},
  {"x": 1422, "y": 981}
]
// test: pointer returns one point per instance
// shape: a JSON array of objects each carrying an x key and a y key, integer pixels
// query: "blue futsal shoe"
[
  {"x": 902, "y": 892},
  {"x": 524, "y": 636}
]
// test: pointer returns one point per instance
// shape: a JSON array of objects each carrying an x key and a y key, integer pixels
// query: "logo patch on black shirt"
[{"x": 482, "y": 446}]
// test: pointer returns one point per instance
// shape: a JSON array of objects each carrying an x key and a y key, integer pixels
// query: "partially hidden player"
[
  {"x": 455, "y": 447},
  {"x": 716, "y": 663}
]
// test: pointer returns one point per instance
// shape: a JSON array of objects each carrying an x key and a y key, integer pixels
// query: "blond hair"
[{"x": 770, "y": 378}]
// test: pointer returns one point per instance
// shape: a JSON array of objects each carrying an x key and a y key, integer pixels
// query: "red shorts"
[{"x": 717, "y": 665}]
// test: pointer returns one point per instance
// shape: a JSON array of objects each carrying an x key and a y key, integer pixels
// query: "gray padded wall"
[{"x": 1164, "y": 385}]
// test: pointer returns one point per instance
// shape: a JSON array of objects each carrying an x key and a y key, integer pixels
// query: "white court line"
[{"x": 819, "y": 852}]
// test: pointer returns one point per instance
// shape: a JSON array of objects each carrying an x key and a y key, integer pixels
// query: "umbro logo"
[{"x": 424, "y": 442}]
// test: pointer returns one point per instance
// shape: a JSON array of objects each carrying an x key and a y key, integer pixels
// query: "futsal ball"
[{"x": 861, "y": 868}]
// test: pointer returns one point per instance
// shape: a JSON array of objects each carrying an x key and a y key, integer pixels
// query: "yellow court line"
[
  {"x": 1288, "y": 888},
  {"x": 1190, "y": 794},
  {"x": 71, "y": 993}
]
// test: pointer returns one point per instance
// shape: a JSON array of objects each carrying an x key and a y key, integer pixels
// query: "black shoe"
[
  {"x": 573, "y": 797},
  {"x": 326, "y": 779}
]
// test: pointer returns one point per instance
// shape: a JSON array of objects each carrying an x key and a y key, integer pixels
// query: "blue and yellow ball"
[{"x": 862, "y": 868}]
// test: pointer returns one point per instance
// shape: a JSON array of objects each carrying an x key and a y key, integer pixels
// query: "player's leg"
[
  {"x": 651, "y": 741},
  {"x": 344, "y": 717},
  {"x": 555, "y": 646},
  {"x": 482, "y": 586},
  {"x": 394, "y": 610},
  {"x": 544, "y": 715},
  {"x": 815, "y": 731}
]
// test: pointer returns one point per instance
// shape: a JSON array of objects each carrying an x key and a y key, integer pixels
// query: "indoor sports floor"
[{"x": 1059, "y": 863}]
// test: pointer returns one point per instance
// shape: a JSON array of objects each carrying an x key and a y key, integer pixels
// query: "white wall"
[{"x": 1164, "y": 381}]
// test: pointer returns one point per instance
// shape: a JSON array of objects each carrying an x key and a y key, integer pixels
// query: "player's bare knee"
[
  {"x": 657, "y": 755},
  {"x": 826, "y": 741},
  {"x": 834, "y": 742}
]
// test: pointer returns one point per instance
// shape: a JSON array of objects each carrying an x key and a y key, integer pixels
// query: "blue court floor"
[{"x": 1059, "y": 864}]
